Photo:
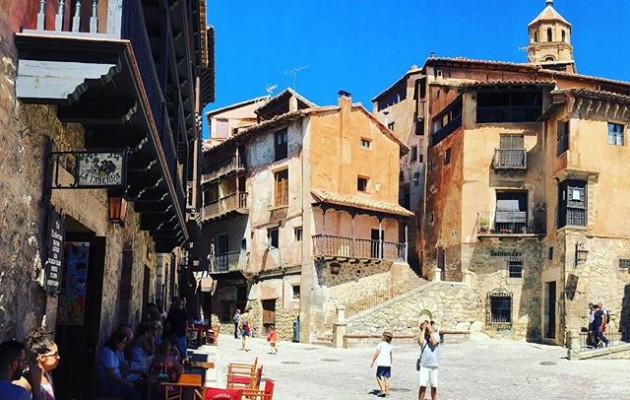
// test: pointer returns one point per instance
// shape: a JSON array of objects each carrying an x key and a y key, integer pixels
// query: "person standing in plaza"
[
  {"x": 383, "y": 356},
  {"x": 599, "y": 322},
  {"x": 12, "y": 363},
  {"x": 272, "y": 338},
  {"x": 237, "y": 320},
  {"x": 429, "y": 352},
  {"x": 245, "y": 326}
]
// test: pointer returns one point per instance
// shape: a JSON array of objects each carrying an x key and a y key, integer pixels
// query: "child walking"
[
  {"x": 383, "y": 357},
  {"x": 272, "y": 338}
]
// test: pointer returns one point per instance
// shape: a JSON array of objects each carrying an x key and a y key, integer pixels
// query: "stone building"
[
  {"x": 524, "y": 190},
  {"x": 99, "y": 140},
  {"x": 300, "y": 215}
]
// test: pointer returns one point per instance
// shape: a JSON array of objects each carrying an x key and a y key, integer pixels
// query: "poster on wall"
[{"x": 72, "y": 302}]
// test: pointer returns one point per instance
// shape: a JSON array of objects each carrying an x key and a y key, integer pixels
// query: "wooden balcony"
[
  {"x": 105, "y": 65},
  {"x": 508, "y": 159},
  {"x": 508, "y": 114},
  {"x": 348, "y": 247},
  {"x": 226, "y": 206},
  {"x": 232, "y": 166},
  {"x": 228, "y": 262}
]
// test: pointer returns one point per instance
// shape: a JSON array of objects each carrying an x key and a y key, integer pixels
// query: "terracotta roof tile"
[{"x": 326, "y": 196}]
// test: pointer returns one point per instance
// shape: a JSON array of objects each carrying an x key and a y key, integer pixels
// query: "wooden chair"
[
  {"x": 211, "y": 393},
  {"x": 266, "y": 394},
  {"x": 242, "y": 368},
  {"x": 211, "y": 336},
  {"x": 245, "y": 381}
]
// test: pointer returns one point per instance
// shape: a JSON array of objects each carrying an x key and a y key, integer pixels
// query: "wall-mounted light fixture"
[
  {"x": 117, "y": 209},
  {"x": 335, "y": 268},
  {"x": 581, "y": 253}
]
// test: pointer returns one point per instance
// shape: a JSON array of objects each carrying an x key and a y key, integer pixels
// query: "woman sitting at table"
[
  {"x": 110, "y": 382},
  {"x": 164, "y": 362},
  {"x": 143, "y": 347}
]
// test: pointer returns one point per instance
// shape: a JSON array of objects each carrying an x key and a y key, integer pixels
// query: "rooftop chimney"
[{"x": 343, "y": 93}]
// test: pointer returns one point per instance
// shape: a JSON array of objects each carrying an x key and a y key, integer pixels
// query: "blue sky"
[{"x": 363, "y": 46}]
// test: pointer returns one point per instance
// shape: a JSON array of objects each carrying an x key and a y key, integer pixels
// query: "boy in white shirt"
[{"x": 383, "y": 358}]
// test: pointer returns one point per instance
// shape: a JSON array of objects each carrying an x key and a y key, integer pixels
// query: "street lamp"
[
  {"x": 581, "y": 253},
  {"x": 117, "y": 209}
]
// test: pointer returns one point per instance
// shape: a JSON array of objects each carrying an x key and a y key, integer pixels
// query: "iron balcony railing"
[
  {"x": 234, "y": 202},
  {"x": 508, "y": 114},
  {"x": 228, "y": 261},
  {"x": 232, "y": 165},
  {"x": 504, "y": 223},
  {"x": 341, "y": 246},
  {"x": 446, "y": 130},
  {"x": 509, "y": 159}
]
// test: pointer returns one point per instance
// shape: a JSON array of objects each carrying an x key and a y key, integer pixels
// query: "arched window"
[
  {"x": 564, "y": 36},
  {"x": 549, "y": 58},
  {"x": 549, "y": 34}
]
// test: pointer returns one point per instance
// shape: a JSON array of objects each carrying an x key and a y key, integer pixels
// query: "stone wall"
[{"x": 453, "y": 306}]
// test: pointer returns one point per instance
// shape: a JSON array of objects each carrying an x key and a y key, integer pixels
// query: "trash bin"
[{"x": 296, "y": 330}]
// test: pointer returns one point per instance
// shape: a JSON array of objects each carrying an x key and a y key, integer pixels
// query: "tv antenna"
[
  {"x": 293, "y": 72},
  {"x": 270, "y": 88}
]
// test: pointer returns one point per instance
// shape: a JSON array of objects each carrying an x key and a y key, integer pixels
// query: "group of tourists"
[
  {"x": 158, "y": 347},
  {"x": 426, "y": 365},
  {"x": 598, "y": 324},
  {"x": 25, "y": 368}
]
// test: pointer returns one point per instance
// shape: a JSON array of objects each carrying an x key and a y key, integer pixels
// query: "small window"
[
  {"x": 549, "y": 35},
  {"x": 296, "y": 291},
  {"x": 515, "y": 268},
  {"x": 273, "y": 238},
  {"x": 391, "y": 125},
  {"x": 535, "y": 37},
  {"x": 431, "y": 217},
  {"x": 366, "y": 143},
  {"x": 624, "y": 263},
  {"x": 564, "y": 36},
  {"x": 500, "y": 309},
  {"x": 362, "y": 184},
  {"x": 447, "y": 156},
  {"x": 281, "y": 139},
  {"x": 297, "y": 234},
  {"x": 562, "y": 137},
  {"x": 615, "y": 134},
  {"x": 550, "y": 253},
  {"x": 414, "y": 153},
  {"x": 421, "y": 158},
  {"x": 281, "y": 194},
  {"x": 416, "y": 178}
]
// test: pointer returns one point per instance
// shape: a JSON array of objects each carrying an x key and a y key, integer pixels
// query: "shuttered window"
[{"x": 281, "y": 188}]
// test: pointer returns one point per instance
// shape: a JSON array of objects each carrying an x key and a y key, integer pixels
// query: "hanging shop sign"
[
  {"x": 56, "y": 233},
  {"x": 87, "y": 170}
]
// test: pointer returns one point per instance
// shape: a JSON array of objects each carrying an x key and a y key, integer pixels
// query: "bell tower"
[{"x": 550, "y": 41}]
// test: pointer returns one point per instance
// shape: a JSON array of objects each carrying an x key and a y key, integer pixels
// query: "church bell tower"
[{"x": 550, "y": 41}]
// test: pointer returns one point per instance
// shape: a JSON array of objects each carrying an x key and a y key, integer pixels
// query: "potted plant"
[{"x": 483, "y": 225}]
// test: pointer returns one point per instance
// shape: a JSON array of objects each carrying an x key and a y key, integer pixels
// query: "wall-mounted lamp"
[
  {"x": 335, "y": 268},
  {"x": 581, "y": 253},
  {"x": 117, "y": 209}
]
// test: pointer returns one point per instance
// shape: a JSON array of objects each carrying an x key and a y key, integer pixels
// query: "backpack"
[
  {"x": 236, "y": 318},
  {"x": 245, "y": 319}
]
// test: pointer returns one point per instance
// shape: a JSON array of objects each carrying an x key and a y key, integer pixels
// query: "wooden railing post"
[
  {"x": 76, "y": 20},
  {"x": 94, "y": 17}
]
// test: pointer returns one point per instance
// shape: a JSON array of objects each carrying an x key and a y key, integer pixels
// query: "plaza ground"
[{"x": 477, "y": 368}]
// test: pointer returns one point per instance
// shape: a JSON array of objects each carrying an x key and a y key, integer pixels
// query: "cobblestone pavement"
[{"x": 477, "y": 368}]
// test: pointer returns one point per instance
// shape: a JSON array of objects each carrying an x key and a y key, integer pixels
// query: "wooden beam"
[{"x": 115, "y": 112}]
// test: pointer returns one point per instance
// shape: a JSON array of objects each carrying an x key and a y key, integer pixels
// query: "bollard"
[{"x": 296, "y": 330}]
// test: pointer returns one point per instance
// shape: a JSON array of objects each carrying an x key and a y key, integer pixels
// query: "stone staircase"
[{"x": 453, "y": 305}]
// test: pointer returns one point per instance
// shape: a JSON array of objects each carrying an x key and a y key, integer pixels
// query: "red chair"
[
  {"x": 222, "y": 394},
  {"x": 266, "y": 394}
]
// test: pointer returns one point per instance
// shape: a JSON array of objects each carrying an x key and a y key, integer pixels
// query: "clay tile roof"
[
  {"x": 549, "y": 14},
  {"x": 326, "y": 196},
  {"x": 475, "y": 61},
  {"x": 598, "y": 94},
  {"x": 505, "y": 83}
]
